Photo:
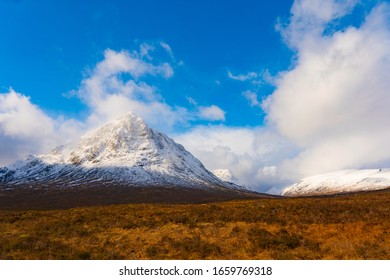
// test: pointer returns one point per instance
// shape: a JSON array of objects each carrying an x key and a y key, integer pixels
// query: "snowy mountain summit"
[
  {"x": 343, "y": 181},
  {"x": 124, "y": 151}
]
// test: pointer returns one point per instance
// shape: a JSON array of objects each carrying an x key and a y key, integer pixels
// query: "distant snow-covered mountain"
[
  {"x": 225, "y": 175},
  {"x": 228, "y": 178},
  {"x": 123, "y": 151},
  {"x": 343, "y": 181}
]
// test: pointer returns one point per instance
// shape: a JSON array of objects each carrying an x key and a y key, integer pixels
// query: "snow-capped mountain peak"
[
  {"x": 109, "y": 145},
  {"x": 125, "y": 150}
]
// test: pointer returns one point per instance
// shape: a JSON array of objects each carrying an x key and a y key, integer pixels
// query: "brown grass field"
[{"x": 353, "y": 226}]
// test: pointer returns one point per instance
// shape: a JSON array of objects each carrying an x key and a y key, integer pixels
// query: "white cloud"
[
  {"x": 26, "y": 129},
  {"x": 269, "y": 170},
  {"x": 309, "y": 18},
  {"x": 334, "y": 104},
  {"x": 256, "y": 78},
  {"x": 109, "y": 95},
  {"x": 211, "y": 113},
  {"x": 123, "y": 62},
  {"x": 145, "y": 49},
  {"x": 251, "y": 97},
  {"x": 168, "y": 49},
  {"x": 244, "y": 151},
  {"x": 18, "y": 117},
  {"x": 192, "y": 101},
  {"x": 243, "y": 77},
  {"x": 208, "y": 113}
]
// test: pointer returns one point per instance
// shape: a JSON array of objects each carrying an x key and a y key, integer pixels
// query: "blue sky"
[
  {"x": 47, "y": 45},
  {"x": 274, "y": 91}
]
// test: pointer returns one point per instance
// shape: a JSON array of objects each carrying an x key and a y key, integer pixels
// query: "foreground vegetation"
[{"x": 342, "y": 227}]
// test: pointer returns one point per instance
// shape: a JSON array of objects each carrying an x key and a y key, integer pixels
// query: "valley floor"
[{"x": 340, "y": 227}]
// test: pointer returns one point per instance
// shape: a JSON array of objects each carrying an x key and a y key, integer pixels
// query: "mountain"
[
  {"x": 225, "y": 175},
  {"x": 343, "y": 181},
  {"x": 228, "y": 178},
  {"x": 121, "y": 161},
  {"x": 125, "y": 150}
]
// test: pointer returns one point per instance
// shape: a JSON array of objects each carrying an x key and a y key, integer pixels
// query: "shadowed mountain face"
[{"x": 124, "y": 153}]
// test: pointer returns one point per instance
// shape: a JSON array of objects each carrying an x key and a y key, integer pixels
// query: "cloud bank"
[
  {"x": 334, "y": 103},
  {"x": 328, "y": 112},
  {"x": 26, "y": 129},
  {"x": 250, "y": 153},
  {"x": 108, "y": 94}
]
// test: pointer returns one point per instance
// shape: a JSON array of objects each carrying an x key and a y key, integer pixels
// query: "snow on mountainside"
[
  {"x": 225, "y": 175},
  {"x": 228, "y": 178},
  {"x": 341, "y": 182},
  {"x": 125, "y": 150}
]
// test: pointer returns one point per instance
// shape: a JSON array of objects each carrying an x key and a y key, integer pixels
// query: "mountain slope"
[
  {"x": 343, "y": 181},
  {"x": 124, "y": 151}
]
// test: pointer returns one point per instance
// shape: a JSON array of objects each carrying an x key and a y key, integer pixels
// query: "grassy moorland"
[{"x": 339, "y": 227}]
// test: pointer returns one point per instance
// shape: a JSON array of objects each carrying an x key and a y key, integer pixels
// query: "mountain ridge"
[{"x": 343, "y": 181}]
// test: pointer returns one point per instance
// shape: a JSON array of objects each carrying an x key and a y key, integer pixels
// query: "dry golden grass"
[{"x": 342, "y": 227}]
